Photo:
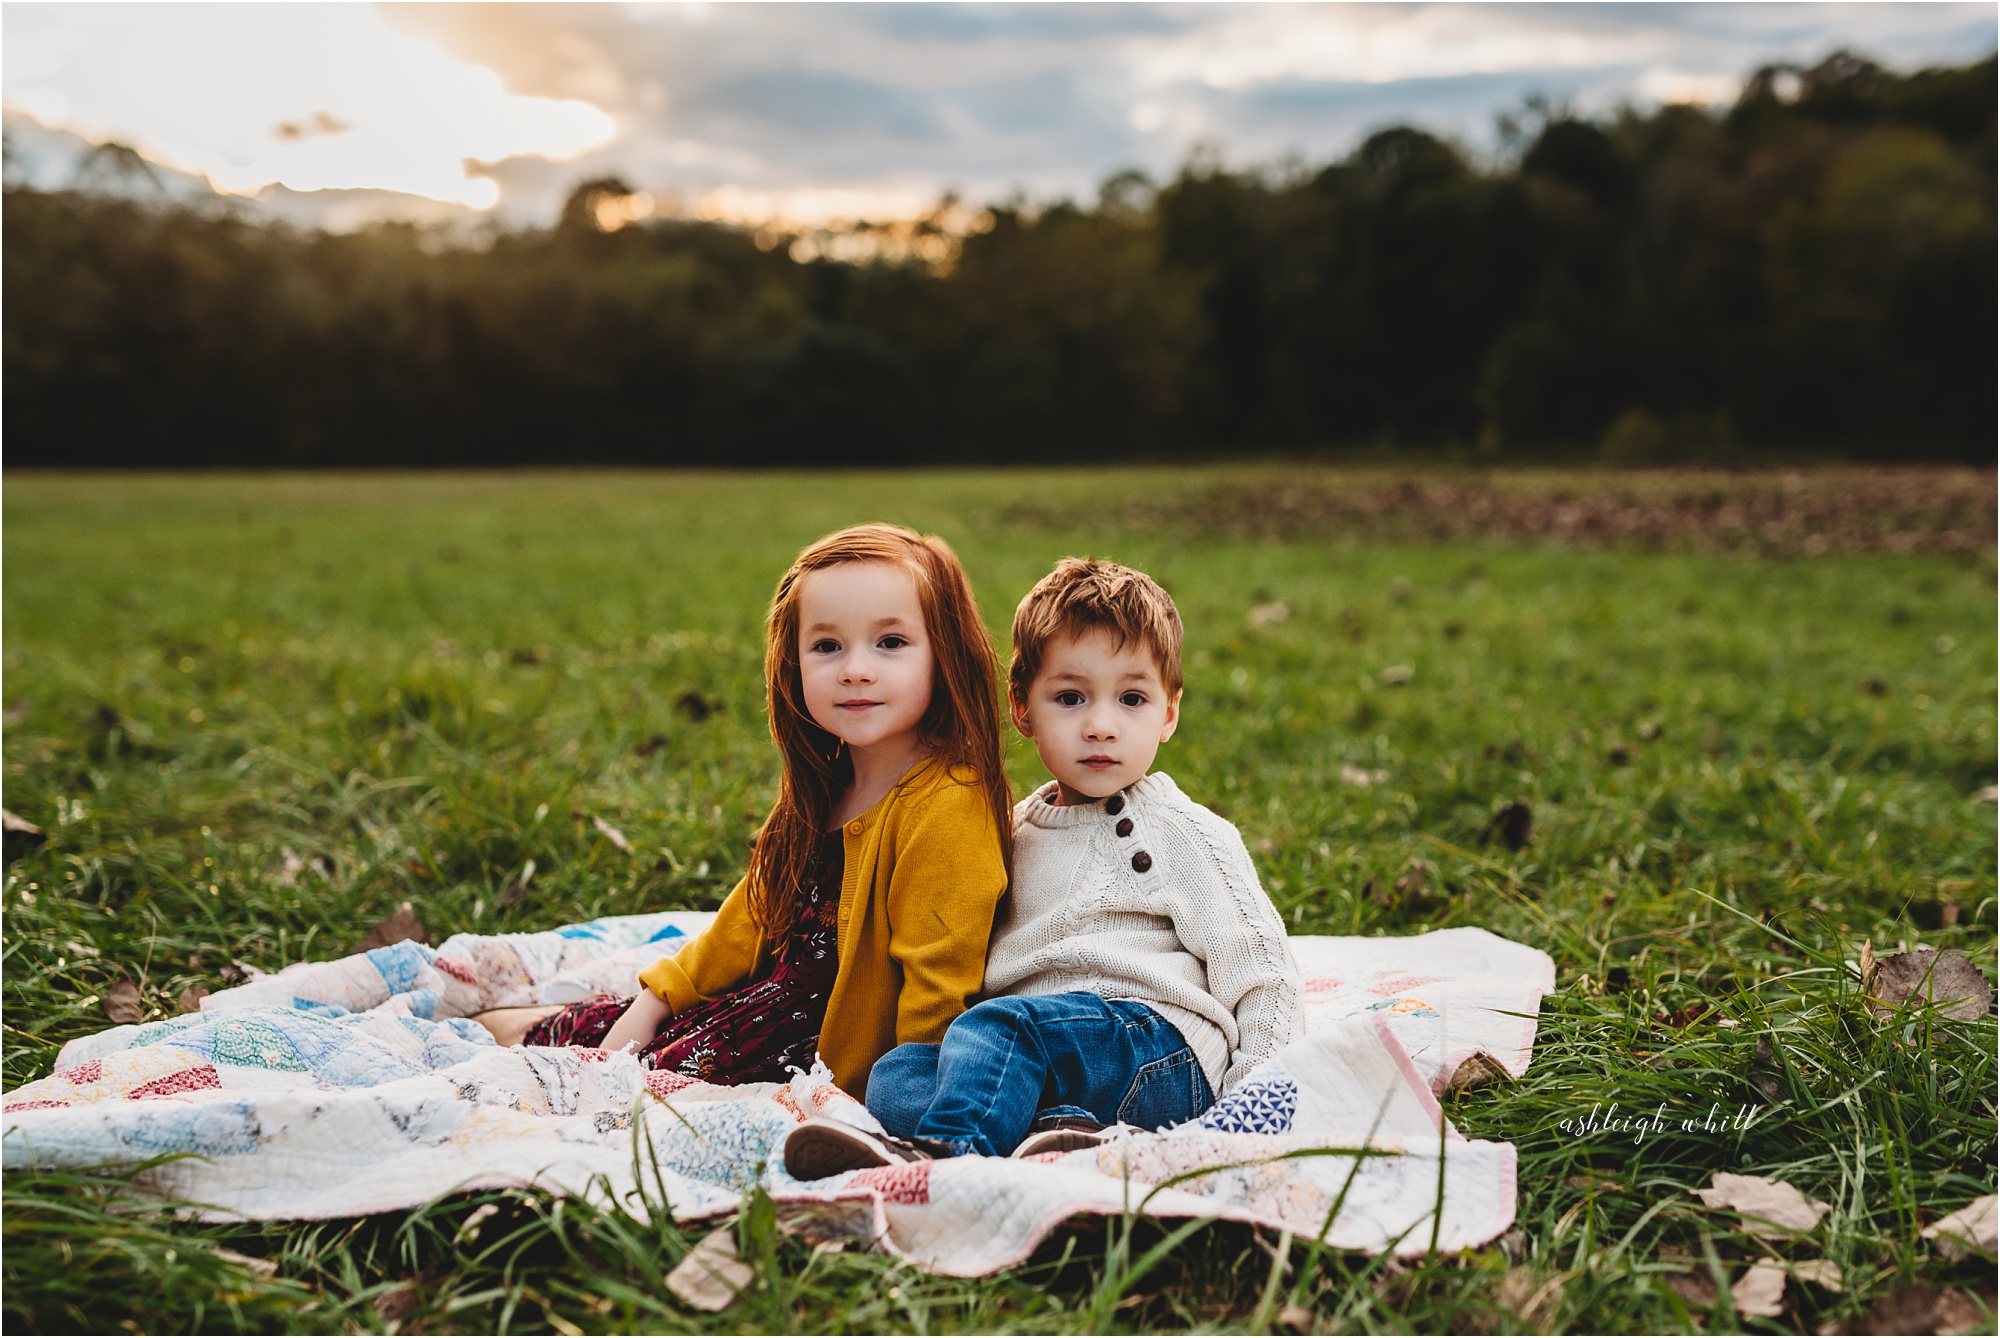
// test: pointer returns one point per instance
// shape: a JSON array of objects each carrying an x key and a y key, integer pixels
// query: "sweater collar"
[{"x": 1042, "y": 811}]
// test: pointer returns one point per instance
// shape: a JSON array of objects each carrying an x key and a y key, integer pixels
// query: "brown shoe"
[
  {"x": 821, "y": 1147},
  {"x": 1067, "y": 1134}
]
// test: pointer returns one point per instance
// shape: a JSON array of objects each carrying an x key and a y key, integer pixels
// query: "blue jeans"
[{"x": 1007, "y": 1061}]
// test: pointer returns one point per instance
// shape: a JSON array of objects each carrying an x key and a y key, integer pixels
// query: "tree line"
[{"x": 1810, "y": 271}]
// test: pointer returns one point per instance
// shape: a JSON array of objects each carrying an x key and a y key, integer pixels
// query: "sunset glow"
[{"x": 311, "y": 96}]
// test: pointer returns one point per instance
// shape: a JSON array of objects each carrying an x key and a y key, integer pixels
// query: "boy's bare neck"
[{"x": 1068, "y": 798}]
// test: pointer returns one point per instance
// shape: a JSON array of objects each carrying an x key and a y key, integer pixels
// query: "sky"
[{"x": 804, "y": 113}]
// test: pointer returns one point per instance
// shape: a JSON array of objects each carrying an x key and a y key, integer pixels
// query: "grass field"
[{"x": 1739, "y": 768}]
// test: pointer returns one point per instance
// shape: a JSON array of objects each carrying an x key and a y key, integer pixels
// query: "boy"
[{"x": 1137, "y": 967}]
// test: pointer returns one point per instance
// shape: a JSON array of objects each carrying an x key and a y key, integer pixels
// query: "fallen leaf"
[
  {"x": 191, "y": 997},
  {"x": 1920, "y": 1307},
  {"x": 711, "y": 1277},
  {"x": 1361, "y": 776},
  {"x": 1989, "y": 795},
  {"x": 397, "y": 1303},
  {"x": 1768, "y": 1207},
  {"x": 1618, "y": 755},
  {"x": 470, "y": 1227},
  {"x": 1764, "y": 1072},
  {"x": 1761, "y": 1290},
  {"x": 401, "y": 923},
  {"x": 263, "y": 1268},
  {"x": 122, "y": 1003},
  {"x": 1928, "y": 976},
  {"x": 15, "y": 714},
  {"x": 1396, "y": 675},
  {"x": 649, "y": 746},
  {"x": 847, "y": 1220},
  {"x": 1960, "y": 1312},
  {"x": 1296, "y": 1318},
  {"x": 1475, "y": 1071},
  {"x": 1649, "y": 731},
  {"x": 1868, "y": 966},
  {"x": 612, "y": 834},
  {"x": 1400, "y": 589},
  {"x": 1972, "y": 1228},
  {"x": 20, "y": 835},
  {"x": 1263, "y": 615},
  {"x": 1697, "y": 1289},
  {"x": 1514, "y": 825},
  {"x": 1819, "y": 1272}
]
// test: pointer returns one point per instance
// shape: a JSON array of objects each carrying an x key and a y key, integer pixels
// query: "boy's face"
[{"x": 1098, "y": 713}]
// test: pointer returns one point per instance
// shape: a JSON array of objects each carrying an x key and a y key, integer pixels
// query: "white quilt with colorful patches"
[{"x": 359, "y": 1086}]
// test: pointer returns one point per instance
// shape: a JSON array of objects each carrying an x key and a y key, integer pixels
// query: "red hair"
[{"x": 961, "y": 728}]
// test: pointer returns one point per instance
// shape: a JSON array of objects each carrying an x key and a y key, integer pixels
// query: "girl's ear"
[{"x": 1173, "y": 718}]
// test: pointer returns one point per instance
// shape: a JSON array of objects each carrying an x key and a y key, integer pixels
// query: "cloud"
[{"x": 804, "y": 108}]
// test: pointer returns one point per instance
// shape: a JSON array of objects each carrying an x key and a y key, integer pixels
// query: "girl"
[{"x": 863, "y": 920}]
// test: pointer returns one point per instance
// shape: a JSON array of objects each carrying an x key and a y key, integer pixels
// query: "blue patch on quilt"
[
  {"x": 399, "y": 964},
  {"x": 669, "y": 931},
  {"x": 1260, "y": 1104}
]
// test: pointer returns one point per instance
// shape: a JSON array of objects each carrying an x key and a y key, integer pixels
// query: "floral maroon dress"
[{"x": 753, "y": 1033}]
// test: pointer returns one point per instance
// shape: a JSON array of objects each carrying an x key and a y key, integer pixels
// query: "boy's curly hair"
[{"x": 1083, "y": 594}]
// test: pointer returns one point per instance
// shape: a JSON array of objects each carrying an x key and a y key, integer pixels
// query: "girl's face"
[{"x": 864, "y": 653}]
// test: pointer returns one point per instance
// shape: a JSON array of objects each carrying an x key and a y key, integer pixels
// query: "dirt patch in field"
[{"x": 1778, "y": 514}]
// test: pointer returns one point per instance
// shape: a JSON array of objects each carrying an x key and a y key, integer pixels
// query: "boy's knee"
[{"x": 901, "y": 1087}]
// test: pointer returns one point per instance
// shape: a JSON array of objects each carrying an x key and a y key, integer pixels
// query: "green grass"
[{"x": 1739, "y": 769}]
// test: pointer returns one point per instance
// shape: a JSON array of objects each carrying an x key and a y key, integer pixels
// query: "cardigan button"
[
  {"x": 1124, "y": 827},
  {"x": 854, "y": 828},
  {"x": 1141, "y": 862},
  {"x": 1115, "y": 805}
]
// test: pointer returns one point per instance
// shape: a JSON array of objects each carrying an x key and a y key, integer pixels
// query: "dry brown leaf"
[
  {"x": 1361, "y": 776},
  {"x": 263, "y": 1268},
  {"x": 711, "y": 1278},
  {"x": 1921, "y": 1307},
  {"x": 397, "y": 1303},
  {"x": 122, "y": 1003},
  {"x": 1761, "y": 1290},
  {"x": 1819, "y": 1272},
  {"x": 612, "y": 834},
  {"x": 1396, "y": 675},
  {"x": 1961, "y": 1312},
  {"x": 398, "y": 925},
  {"x": 1868, "y": 967},
  {"x": 1697, "y": 1289},
  {"x": 1972, "y": 1228},
  {"x": 1928, "y": 976},
  {"x": 1768, "y": 1207},
  {"x": 1263, "y": 615},
  {"x": 191, "y": 997},
  {"x": 819, "y": 1223},
  {"x": 1296, "y": 1318}
]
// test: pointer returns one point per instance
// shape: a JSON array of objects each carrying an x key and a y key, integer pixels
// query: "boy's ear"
[
  {"x": 1019, "y": 710},
  {"x": 1173, "y": 718}
]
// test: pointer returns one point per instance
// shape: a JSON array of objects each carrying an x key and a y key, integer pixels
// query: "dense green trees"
[{"x": 1812, "y": 270}]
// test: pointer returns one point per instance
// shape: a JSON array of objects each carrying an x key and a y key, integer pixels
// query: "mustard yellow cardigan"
[{"x": 923, "y": 873}]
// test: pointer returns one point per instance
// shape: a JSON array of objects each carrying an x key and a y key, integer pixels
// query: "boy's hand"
[{"x": 640, "y": 1023}]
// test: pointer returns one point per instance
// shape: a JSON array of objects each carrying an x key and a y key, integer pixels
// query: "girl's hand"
[{"x": 640, "y": 1023}]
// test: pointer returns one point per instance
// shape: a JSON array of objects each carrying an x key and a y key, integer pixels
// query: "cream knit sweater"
[{"x": 1148, "y": 896}]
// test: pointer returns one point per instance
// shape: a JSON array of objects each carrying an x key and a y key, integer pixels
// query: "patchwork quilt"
[{"x": 336, "y": 1089}]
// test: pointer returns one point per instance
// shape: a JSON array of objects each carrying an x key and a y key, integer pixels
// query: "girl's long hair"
[{"x": 961, "y": 728}]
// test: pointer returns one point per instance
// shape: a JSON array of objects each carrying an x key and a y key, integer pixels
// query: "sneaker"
[
  {"x": 1067, "y": 1134},
  {"x": 821, "y": 1147}
]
